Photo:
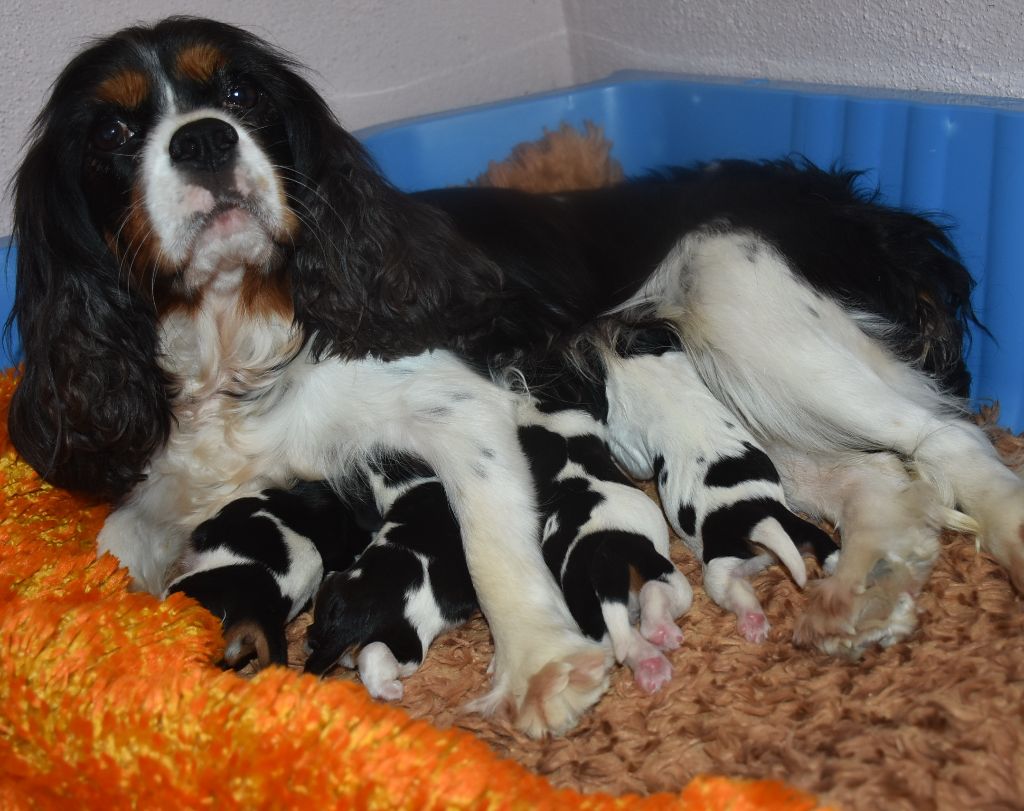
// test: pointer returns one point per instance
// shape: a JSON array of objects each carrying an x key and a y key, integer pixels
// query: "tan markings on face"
[
  {"x": 289, "y": 219},
  {"x": 200, "y": 62},
  {"x": 267, "y": 293},
  {"x": 128, "y": 89},
  {"x": 137, "y": 246}
]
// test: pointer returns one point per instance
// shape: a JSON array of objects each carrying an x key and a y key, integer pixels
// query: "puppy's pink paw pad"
[
  {"x": 653, "y": 673},
  {"x": 754, "y": 626},
  {"x": 665, "y": 635}
]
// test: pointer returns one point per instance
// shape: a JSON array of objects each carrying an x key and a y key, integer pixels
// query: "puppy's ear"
[
  {"x": 375, "y": 271},
  {"x": 92, "y": 403}
]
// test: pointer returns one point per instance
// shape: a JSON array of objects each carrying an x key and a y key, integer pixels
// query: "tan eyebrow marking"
[
  {"x": 200, "y": 62},
  {"x": 127, "y": 89}
]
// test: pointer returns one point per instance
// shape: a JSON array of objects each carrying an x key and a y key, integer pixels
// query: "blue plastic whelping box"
[{"x": 960, "y": 156}]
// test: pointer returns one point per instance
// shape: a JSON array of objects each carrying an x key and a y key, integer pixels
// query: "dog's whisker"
[{"x": 311, "y": 186}]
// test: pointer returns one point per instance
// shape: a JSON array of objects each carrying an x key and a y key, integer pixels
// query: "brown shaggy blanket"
[{"x": 934, "y": 722}]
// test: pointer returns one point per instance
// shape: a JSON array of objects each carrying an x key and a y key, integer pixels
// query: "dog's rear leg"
[
  {"x": 651, "y": 670},
  {"x": 959, "y": 457},
  {"x": 381, "y": 672}
]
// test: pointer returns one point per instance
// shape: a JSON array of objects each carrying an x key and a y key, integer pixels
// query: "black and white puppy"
[
  {"x": 604, "y": 540},
  {"x": 720, "y": 490},
  {"x": 830, "y": 325},
  {"x": 259, "y": 561},
  {"x": 409, "y": 585},
  {"x": 217, "y": 294}
]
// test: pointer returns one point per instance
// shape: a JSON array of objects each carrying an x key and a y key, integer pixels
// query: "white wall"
[
  {"x": 385, "y": 59},
  {"x": 959, "y": 46}
]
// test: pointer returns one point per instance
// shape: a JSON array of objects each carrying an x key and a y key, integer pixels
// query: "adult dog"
[{"x": 218, "y": 293}]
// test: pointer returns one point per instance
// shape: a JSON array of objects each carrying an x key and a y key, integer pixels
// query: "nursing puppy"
[
  {"x": 720, "y": 491},
  {"x": 605, "y": 541},
  {"x": 600, "y": 533},
  {"x": 258, "y": 562},
  {"x": 408, "y": 586}
]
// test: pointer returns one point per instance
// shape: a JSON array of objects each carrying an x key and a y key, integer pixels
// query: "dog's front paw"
[
  {"x": 561, "y": 691},
  {"x": 549, "y": 696}
]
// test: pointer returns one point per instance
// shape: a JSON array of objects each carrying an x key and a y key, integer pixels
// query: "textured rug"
[{"x": 935, "y": 722}]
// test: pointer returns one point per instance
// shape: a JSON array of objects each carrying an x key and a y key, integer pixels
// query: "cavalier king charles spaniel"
[{"x": 217, "y": 293}]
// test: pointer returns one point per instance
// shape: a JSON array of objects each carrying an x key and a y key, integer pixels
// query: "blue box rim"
[{"x": 639, "y": 77}]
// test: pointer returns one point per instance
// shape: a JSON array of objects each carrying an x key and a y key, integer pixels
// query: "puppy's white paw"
[
  {"x": 380, "y": 672},
  {"x": 664, "y": 635},
  {"x": 661, "y": 603},
  {"x": 388, "y": 691}
]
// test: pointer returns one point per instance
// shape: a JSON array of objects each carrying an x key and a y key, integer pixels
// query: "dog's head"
[{"x": 184, "y": 161}]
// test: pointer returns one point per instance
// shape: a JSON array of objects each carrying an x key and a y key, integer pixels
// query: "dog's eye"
[
  {"x": 242, "y": 96},
  {"x": 110, "y": 133}
]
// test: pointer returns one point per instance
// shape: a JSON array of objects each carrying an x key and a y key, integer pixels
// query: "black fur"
[
  {"x": 245, "y": 598},
  {"x": 374, "y": 271},
  {"x": 595, "y": 248},
  {"x": 594, "y": 568},
  {"x": 731, "y": 470}
]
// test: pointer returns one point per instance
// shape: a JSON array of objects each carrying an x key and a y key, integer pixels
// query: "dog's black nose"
[{"x": 207, "y": 144}]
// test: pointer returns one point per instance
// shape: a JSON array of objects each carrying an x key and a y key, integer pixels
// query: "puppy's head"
[{"x": 178, "y": 164}]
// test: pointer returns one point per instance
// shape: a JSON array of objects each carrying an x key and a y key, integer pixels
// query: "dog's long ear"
[
  {"x": 91, "y": 405},
  {"x": 374, "y": 271}
]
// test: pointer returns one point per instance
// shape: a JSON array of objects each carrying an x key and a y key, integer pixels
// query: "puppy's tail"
[
  {"x": 770, "y": 534},
  {"x": 808, "y": 536},
  {"x": 248, "y": 639}
]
